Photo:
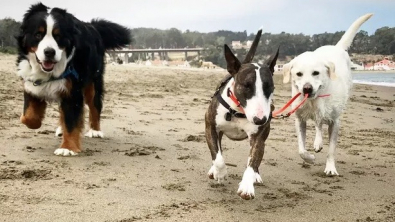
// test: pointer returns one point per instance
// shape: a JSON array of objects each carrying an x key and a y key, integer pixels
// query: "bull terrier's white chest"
[{"x": 236, "y": 128}]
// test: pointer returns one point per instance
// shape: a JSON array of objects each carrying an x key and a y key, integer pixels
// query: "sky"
[{"x": 274, "y": 16}]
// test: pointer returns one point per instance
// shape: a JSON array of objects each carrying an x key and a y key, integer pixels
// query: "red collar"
[{"x": 232, "y": 96}]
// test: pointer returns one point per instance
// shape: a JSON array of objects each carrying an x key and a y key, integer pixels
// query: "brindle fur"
[{"x": 238, "y": 71}]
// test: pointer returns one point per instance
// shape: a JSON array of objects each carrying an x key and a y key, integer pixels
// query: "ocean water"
[{"x": 379, "y": 79}]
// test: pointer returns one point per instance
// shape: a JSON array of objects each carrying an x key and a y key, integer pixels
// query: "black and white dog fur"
[
  {"x": 252, "y": 84},
  {"x": 61, "y": 59}
]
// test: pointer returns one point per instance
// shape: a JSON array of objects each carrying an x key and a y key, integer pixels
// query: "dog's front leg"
[
  {"x": 333, "y": 131},
  {"x": 318, "y": 136},
  {"x": 301, "y": 131},
  {"x": 33, "y": 111},
  {"x": 71, "y": 118},
  {"x": 251, "y": 174},
  {"x": 218, "y": 170}
]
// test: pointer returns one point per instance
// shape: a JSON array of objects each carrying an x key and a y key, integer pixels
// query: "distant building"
[
  {"x": 279, "y": 67},
  {"x": 249, "y": 44},
  {"x": 355, "y": 66},
  {"x": 236, "y": 45},
  {"x": 384, "y": 64}
]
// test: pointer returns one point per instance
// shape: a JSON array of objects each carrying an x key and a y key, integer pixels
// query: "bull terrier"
[{"x": 241, "y": 108}]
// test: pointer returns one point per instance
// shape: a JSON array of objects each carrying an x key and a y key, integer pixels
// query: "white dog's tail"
[{"x": 348, "y": 37}]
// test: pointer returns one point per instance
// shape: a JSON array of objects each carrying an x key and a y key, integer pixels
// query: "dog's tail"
[
  {"x": 113, "y": 35},
  {"x": 348, "y": 37}
]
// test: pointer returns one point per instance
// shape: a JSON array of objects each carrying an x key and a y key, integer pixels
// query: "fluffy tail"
[
  {"x": 348, "y": 37},
  {"x": 113, "y": 35}
]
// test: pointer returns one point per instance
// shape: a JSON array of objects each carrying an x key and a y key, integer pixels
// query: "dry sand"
[{"x": 152, "y": 164}]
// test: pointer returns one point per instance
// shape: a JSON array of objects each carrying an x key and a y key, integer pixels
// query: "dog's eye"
[
  {"x": 315, "y": 73},
  {"x": 57, "y": 37},
  {"x": 38, "y": 35},
  {"x": 299, "y": 74}
]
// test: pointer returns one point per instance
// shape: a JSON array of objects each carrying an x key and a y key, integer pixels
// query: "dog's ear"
[
  {"x": 330, "y": 66},
  {"x": 35, "y": 8},
  {"x": 271, "y": 62},
  {"x": 233, "y": 64},
  {"x": 287, "y": 72},
  {"x": 251, "y": 53}
]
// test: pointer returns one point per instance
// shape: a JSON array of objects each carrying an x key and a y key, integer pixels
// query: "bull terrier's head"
[{"x": 253, "y": 82}]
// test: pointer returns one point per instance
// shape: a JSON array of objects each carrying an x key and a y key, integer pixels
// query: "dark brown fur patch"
[
  {"x": 94, "y": 116},
  {"x": 56, "y": 31}
]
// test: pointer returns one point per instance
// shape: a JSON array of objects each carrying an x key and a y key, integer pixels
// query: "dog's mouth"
[
  {"x": 46, "y": 65},
  {"x": 311, "y": 95}
]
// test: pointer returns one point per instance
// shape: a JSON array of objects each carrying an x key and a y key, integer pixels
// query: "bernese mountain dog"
[{"x": 61, "y": 59}]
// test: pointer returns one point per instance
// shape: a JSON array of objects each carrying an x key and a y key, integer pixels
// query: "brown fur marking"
[
  {"x": 94, "y": 117},
  {"x": 33, "y": 114},
  {"x": 71, "y": 140},
  {"x": 33, "y": 49}
]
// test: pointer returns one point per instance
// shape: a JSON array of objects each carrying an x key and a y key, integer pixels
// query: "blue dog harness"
[{"x": 70, "y": 71}]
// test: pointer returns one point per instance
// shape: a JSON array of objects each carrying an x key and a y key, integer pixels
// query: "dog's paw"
[
  {"x": 246, "y": 186},
  {"x": 59, "y": 131},
  {"x": 307, "y": 157},
  {"x": 64, "y": 152},
  {"x": 218, "y": 170},
  {"x": 218, "y": 173},
  {"x": 330, "y": 168},
  {"x": 318, "y": 144},
  {"x": 94, "y": 134}
]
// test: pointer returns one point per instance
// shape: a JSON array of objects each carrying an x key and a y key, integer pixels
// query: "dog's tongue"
[{"x": 48, "y": 65}]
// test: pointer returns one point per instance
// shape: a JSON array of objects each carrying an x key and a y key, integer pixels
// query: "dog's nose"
[
  {"x": 307, "y": 88},
  {"x": 258, "y": 121},
  {"x": 49, "y": 52}
]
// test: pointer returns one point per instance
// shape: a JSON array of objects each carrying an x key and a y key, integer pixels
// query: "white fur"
[
  {"x": 59, "y": 131},
  {"x": 246, "y": 186},
  {"x": 94, "y": 134},
  {"x": 334, "y": 78},
  {"x": 49, "y": 42},
  {"x": 218, "y": 169},
  {"x": 64, "y": 152},
  {"x": 30, "y": 70},
  {"x": 258, "y": 105}
]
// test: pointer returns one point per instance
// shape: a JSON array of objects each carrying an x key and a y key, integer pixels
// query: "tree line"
[{"x": 381, "y": 42}]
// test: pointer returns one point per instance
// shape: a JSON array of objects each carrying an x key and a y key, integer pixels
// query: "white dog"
[{"x": 323, "y": 71}]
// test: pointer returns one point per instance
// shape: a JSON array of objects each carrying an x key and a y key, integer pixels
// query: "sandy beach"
[{"x": 152, "y": 164}]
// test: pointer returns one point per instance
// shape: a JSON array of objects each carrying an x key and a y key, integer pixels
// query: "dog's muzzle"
[{"x": 258, "y": 121}]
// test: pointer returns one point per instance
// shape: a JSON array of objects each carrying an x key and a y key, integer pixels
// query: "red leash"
[{"x": 277, "y": 114}]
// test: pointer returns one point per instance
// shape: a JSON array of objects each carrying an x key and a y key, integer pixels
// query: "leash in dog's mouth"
[{"x": 278, "y": 113}]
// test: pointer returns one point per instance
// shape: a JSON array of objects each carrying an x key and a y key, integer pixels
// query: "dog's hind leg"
[
  {"x": 301, "y": 131},
  {"x": 333, "y": 131},
  {"x": 218, "y": 170},
  {"x": 318, "y": 137},
  {"x": 93, "y": 95}
]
